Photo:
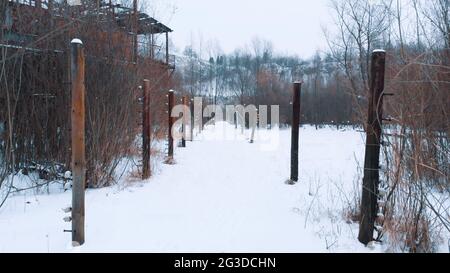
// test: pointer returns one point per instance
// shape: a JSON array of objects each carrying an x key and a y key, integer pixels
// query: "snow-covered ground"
[{"x": 221, "y": 196}]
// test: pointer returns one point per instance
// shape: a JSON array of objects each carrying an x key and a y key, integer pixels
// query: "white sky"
[{"x": 293, "y": 26}]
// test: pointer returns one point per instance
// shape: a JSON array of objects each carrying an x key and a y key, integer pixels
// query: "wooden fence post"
[
  {"x": 371, "y": 180},
  {"x": 146, "y": 131},
  {"x": 185, "y": 121},
  {"x": 170, "y": 136},
  {"x": 295, "y": 131},
  {"x": 192, "y": 108},
  {"x": 78, "y": 141},
  {"x": 254, "y": 126}
]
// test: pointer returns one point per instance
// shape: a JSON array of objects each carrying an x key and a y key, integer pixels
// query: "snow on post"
[{"x": 76, "y": 41}]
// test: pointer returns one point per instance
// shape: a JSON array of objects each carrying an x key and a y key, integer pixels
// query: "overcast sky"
[{"x": 293, "y": 26}]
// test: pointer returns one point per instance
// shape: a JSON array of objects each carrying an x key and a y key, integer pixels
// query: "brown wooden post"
[
  {"x": 171, "y": 105},
  {"x": 295, "y": 131},
  {"x": 192, "y": 108},
  {"x": 146, "y": 131},
  {"x": 185, "y": 121},
  {"x": 78, "y": 141},
  {"x": 369, "y": 201}
]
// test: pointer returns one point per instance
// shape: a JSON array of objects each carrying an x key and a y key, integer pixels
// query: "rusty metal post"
[
  {"x": 295, "y": 131},
  {"x": 146, "y": 131},
  {"x": 78, "y": 141},
  {"x": 369, "y": 201},
  {"x": 185, "y": 121},
  {"x": 171, "y": 105}
]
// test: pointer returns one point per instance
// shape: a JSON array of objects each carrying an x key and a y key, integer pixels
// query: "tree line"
[{"x": 260, "y": 76}]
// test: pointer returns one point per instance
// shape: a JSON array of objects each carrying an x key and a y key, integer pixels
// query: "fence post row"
[
  {"x": 146, "y": 131},
  {"x": 371, "y": 180},
  {"x": 370, "y": 191},
  {"x": 295, "y": 131},
  {"x": 78, "y": 141}
]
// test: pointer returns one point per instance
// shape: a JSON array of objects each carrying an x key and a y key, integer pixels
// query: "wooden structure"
[{"x": 134, "y": 37}]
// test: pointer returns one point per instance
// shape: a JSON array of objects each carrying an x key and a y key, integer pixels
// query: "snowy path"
[{"x": 221, "y": 196}]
